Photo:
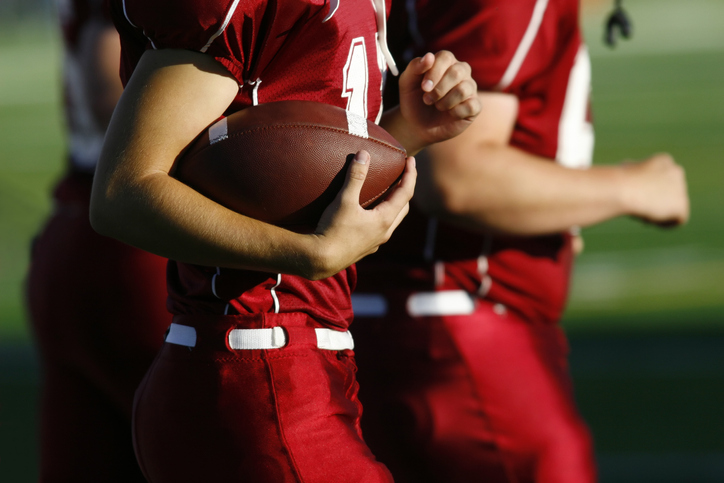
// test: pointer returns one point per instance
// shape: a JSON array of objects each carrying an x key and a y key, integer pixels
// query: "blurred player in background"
[
  {"x": 256, "y": 379},
  {"x": 463, "y": 363},
  {"x": 97, "y": 306}
]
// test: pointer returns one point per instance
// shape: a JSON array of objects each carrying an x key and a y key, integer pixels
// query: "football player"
[
  {"x": 463, "y": 362},
  {"x": 256, "y": 379},
  {"x": 97, "y": 306}
]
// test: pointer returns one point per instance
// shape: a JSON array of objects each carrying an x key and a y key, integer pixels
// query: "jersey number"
[{"x": 356, "y": 78}]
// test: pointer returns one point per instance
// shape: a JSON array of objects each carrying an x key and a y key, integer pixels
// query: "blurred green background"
[{"x": 646, "y": 318}]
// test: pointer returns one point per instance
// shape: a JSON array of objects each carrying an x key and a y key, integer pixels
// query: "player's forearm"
[
  {"x": 173, "y": 96},
  {"x": 163, "y": 216},
  {"x": 393, "y": 122},
  {"x": 508, "y": 190}
]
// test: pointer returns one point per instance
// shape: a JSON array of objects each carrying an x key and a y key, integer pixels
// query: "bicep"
[
  {"x": 493, "y": 126},
  {"x": 447, "y": 165},
  {"x": 171, "y": 97}
]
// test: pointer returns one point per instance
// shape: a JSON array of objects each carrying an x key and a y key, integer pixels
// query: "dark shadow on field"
[
  {"x": 19, "y": 380},
  {"x": 653, "y": 398}
]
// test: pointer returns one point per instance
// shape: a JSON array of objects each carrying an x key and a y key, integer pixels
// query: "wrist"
[
  {"x": 627, "y": 192},
  {"x": 394, "y": 123},
  {"x": 318, "y": 259}
]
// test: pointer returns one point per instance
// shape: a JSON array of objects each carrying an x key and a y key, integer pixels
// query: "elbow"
[
  {"x": 453, "y": 202},
  {"x": 446, "y": 201},
  {"x": 101, "y": 213},
  {"x": 446, "y": 185},
  {"x": 432, "y": 196},
  {"x": 99, "y": 218}
]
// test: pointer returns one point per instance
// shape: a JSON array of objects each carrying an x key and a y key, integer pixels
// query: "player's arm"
[
  {"x": 437, "y": 101},
  {"x": 99, "y": 51},
  {"x": 479, "y": 180},
  {"x": 172, "y": 96}
]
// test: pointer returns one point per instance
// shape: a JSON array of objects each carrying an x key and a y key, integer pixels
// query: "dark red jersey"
[
  {"x": 316, "y": 50},
  {"x": 85, "y": 133},
  {"x": 532, "y": 49}
]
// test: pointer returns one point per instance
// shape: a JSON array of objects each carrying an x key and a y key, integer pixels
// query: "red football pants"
[
  {"x": 98, "y": 312},
  {"x": 209, "y": 413},
  {"x": 483, "y": 397}
]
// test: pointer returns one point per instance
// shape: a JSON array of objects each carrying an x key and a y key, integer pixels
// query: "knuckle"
[
  {"x": 446, "y": 55},
  {"x": 457, "y": 72},
  {"x": 462, "y": 111},
  {"x": 466, "y": 69},
  {"x": 471, "y": 88},
  {"x": 390, "y": 220}
]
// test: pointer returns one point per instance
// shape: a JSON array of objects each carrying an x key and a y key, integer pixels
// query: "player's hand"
[
  {"x": 656, "y": 190},
  {"x": 577, "y": 244},
  {"x": 438, "y": 97},
  {"x": 347, "y": 232}
]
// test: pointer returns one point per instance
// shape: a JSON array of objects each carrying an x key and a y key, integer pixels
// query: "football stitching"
[
  {"x": 302, "y": 125},
  {"x": 312, "y": 126}
]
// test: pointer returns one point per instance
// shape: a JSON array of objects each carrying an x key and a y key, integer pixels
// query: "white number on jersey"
[{"x": 356, "y": 78}]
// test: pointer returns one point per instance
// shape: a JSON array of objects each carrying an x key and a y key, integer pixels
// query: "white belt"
[
  {"x": 419, "y": 304},
  {"x": 273, "y": 338}
]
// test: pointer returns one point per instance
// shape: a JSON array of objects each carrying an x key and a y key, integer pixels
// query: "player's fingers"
[
  {"x": 420, "y": 65},
  {"x": 577, "y": 244},
  {"x": 355, "y": 177},
  {"x": 444, "y": 76},
  {"x": 468, "y": 109},
  {"x": 412, "y": 78},
  {"x": 458, "y": 95},
  {"x": 681, "y": 212},
  {"x": 664, "y": 159},
  {"x": 402, "y": 193},
  {"x": 425, "y": 72},
  {"x": 398, "y": 219}
]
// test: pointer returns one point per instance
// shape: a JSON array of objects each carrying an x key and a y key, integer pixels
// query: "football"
[{"x": 284, "y": 162}]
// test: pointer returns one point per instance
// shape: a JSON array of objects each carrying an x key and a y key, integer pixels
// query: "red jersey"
[
  {"x": 85, "y": 133},
  {"x": 532, "y": 49},
  {"x": 316, "y": 50}
]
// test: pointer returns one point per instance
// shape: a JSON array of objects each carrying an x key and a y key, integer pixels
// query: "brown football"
[{"x": 284, "y": 162}]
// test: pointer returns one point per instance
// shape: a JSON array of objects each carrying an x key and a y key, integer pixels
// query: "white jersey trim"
[
  {"x": 333, "y": 6},
  {"x": 524, "y": 46},
  {"x": 125, "y": 14},
  {"x": 213, "y": 282},
  {"x": 274, "y": 293},
  {"x": 229, "y": 14},
  {"x": 575, "y": 132}
]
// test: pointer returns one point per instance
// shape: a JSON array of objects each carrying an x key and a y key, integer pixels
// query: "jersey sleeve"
[
  {"x": 483, "y": 33},
  {"x": 531, "y": 49},
  {"x": 225, "y": 29}
]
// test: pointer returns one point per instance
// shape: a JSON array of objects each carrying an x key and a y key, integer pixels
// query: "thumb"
[
  {"x": 356, "y": 175},
  {"x": 421, "y": 65},
  {"x": 416, "y": 69}
]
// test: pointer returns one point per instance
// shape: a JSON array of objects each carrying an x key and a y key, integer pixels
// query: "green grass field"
[
  {"x": 646, "y": 316},
  {"x": 31, "y": 154},
  {"x": 660, "y": 91}
]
